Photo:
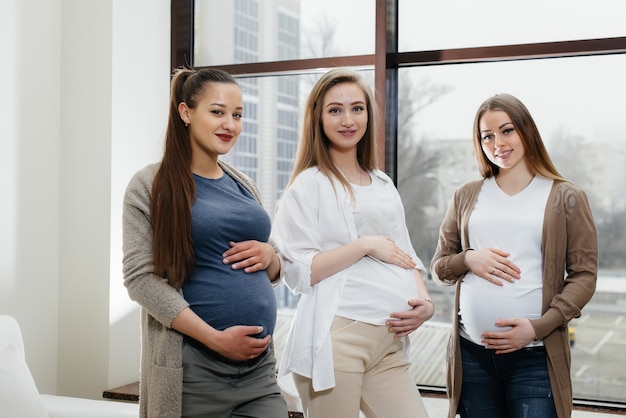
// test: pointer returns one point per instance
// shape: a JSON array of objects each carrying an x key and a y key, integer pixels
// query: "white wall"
[
  {"x": 141, "y": 80},
  {"x": 29, "y": 208},
  {"x": 85, "y": 87}
]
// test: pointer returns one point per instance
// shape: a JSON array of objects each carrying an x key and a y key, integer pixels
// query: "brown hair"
[
  {"x": 313, "y": 147},
  {"x": 173, "y": 189},
  {"x": 538, "y": 159}
]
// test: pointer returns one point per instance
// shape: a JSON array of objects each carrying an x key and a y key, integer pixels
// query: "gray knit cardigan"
[{"x": 161, "y": 374}]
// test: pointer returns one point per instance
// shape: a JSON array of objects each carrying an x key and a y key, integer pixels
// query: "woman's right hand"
[
  {"x": 238, "y": 342},
  {"x": 385, "y": 249},
  {"x": 492, "y": 265},
  {"x": 327, "y": 263}
]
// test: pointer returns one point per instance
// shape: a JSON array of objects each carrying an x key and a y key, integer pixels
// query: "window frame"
[{"x": 386, "y": 61}]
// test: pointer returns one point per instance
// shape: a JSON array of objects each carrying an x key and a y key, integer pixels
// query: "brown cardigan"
[{"x": 570, "y": 261}]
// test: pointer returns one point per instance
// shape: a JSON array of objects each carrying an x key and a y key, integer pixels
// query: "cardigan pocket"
[{"x": 165, "y": 390}]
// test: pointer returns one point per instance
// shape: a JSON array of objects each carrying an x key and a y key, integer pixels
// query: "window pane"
[
  {"x": 431, "y": 25},
  {"x": 248, "y": 31},
  {"x": 578, "y": 106}
]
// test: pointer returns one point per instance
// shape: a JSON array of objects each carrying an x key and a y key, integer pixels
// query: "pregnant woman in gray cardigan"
[{"x": 197, "y": 260}]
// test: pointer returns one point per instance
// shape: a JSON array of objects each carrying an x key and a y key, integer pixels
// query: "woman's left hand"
[
  {"x": 249, "y": 255},
  {"x": 404, "y": 323},
  {"x": 520, "y": 335}
]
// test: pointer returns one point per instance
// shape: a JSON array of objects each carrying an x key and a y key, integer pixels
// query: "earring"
[{"x": 186, "y": 124}]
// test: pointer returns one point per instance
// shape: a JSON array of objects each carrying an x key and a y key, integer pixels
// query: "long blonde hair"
[
  {"x": 539, "y": 161},
  {"x": 313, "y": 146}
]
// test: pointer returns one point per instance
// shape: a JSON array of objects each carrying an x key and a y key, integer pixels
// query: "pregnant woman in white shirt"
[
  {"x": 521, "y": 247},
  {"x": 341, "y": 233}
]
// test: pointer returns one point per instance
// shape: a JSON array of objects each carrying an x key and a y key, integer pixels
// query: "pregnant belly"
[
  {"x": 370, "y": 294},
  {"x": 238, "y": 300},
  {"x": 481, "y": 304}
]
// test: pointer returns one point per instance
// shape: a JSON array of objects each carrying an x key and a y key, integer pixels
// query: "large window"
[
  {"x": 583, "y": 130},
  {"x": 432, "y": 64}
]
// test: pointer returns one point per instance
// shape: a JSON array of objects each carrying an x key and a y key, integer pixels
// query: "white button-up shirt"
[{"x": 312, "y": 217}]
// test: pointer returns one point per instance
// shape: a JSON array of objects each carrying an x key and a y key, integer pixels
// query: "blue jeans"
[{"x": 514, "y": 385}]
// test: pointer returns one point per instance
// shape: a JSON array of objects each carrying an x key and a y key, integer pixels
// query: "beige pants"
[{"x": 371, "y": 375}]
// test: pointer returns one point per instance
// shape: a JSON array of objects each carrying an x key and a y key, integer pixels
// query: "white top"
[
  {"x": 513, "y": 224},
  {"x": 373, "y": 288},
  {"x": 310, "y": 219}
]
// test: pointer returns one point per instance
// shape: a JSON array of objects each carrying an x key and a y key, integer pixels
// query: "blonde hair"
[{"x": 313, "y": 146}]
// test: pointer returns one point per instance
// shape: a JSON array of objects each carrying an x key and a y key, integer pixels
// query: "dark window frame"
[{"x": 385, "y": 61}]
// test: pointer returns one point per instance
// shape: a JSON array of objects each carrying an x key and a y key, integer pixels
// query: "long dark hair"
[{"x": 173, "y": 189}]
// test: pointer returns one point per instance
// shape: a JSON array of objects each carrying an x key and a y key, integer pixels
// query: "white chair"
[{"x": 19, "y": 397}]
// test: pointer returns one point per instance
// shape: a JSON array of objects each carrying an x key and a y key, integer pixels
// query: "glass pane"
[
  {"x": 248, "y": 31},
  {"x": 432, "y": 25},
  {"x": 578, "y": 106}
]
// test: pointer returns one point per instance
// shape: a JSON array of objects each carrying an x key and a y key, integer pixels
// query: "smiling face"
[
  {"x": 215, "y": 123},
  {"x": 501, "y": 142},
  {"x": 344, "y": 116}
]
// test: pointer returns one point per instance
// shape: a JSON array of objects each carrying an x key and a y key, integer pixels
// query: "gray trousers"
[{"x": 214, "y": 387}]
